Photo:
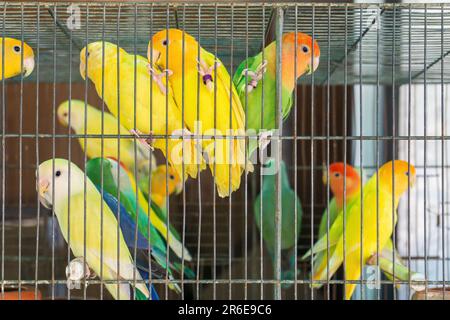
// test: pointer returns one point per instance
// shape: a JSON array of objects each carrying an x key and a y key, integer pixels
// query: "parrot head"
[
  {"x": 306, "y": 62},
  {"x": 96, "y": 55},
  {"x": 399, "y": 172},
  {"x": 168, "y": 43},
  {"x": 13, "y": 57},
  {"x": 73, "y": 110},
  {"x": 53, "y": 175},
  {"x": 339, "y": 172},
  {"x": 161, "y": 175}
]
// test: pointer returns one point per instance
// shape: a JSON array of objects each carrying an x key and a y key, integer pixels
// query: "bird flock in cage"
[{"x": 181, "y": 100}]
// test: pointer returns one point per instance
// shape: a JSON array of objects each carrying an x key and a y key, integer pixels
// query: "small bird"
[
  {"x": 86, "y": 119},
  {"x": 11, "y": 49},
  {"x": 147, "y": 112},
  {"x": 163, "y": 180},
  {"x": 337, "y": 174},
  {"x": 103, "y": 251},
  {"x": 290, "y": 206},
  {"x": 375, "y": 213},
  {"x": 260, "y": 70},
  {"x": 201, "y": 84}
]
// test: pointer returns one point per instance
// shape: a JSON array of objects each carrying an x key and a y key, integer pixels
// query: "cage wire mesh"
[{"x": 378, "y": 94}]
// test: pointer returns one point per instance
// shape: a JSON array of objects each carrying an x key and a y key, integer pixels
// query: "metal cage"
[{"x": 378, "y": 94}]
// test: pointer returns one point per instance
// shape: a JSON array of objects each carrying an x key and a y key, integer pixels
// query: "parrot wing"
[{"x": 251, "y": 63}]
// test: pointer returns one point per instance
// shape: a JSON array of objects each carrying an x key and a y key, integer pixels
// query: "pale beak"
[
  {"x": 28, "y": 66},
  {"x": 310, "y": 70},
  {"x": 43, "y": 185},
  {"x": 324, "y": 174},
  {"x": 179, "y": 188},
  {"x": 412, "y": 180},
  {"x": 82, "y": 69}
]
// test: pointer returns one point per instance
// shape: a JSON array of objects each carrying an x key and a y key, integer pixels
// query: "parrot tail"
[
  {"x": 289, "y": 272},
  {"x": 326, "y": 268},
  {"x": 140, "y": 296},
  {"x": 179, "y": 154}
]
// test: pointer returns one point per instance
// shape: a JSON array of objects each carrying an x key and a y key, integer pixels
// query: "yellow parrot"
[
  {"x": 388, "y": 195},
  {"x": 74, "y": 110},
  {"x": 216, "y": 111},
  {"x": 146, "y": 109},
  {"x": 13, "y": 58}
]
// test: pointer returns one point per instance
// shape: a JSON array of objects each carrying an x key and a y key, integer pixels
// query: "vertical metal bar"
[
  {"x": 344, "y": 227},
  {"x": 230, "y": 141},
  {"x": 261, "y": 176},
  {"x": 214, "y": 165},
  {"x": 118, "y": 143},
  {"x": 279, "y": 123},
  {"x": 312, "y": 140},
  {"x": 393, "y": 145},
  {"x": 167, "y": 163},
  {"x": 102, "y": 152},
  {"x": 442, "y": 151},
  {"x": 245, "y": 171},
  {"x": 361, "y": 262},
  {"x": 20, "y": 158},
  {"x": 328, "y": 151},
  {"x": 86, "y": 86},
  {"x": 69, "y": 146},
  {"x": 377, "y": 147},
  {"x": 53, "y": 150},
  {"x": 38, "y": 207},
  {"x": 425, "y": 149},
  {"x": 409, "y": 149},
  {"x": 296, "y": 235},
  {"x": 182, "y": 149},
  {"x": 3, "y": 149}
]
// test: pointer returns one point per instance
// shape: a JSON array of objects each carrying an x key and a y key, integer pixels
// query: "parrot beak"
[
  {"x": 28, "y": 66},
  {"x": 83, "y": 69},
  {"x": 412, "y": 181},
  {"x": 153, "y": 55},
  {"x": 310, "y": 70},
  {"x": 43, "y": 186},
  {"x": 324, "y": 177},
  {"x": 179, "y": 188}
]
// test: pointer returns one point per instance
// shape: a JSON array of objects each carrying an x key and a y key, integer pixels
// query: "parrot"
[
  {"x": 290, "y": 202},
  {"x": 203, "y": 75},
  {"x": 12, "y": 52},
  {"x": 76, "y": 111},
  {"x": 258, "y": 71},
  {"x": 388, "y": 195},
  {"x": 160, "y": 176},
  {"x": 336, "y": 176},
  {"x": 158, "y": 229},
  {"x": 85, "y": 235},
  {"x": 137, "y": 94}
]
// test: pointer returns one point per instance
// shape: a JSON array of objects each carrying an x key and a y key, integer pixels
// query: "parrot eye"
[
  {"x": 407, "y": 173},
  {"x": 65, "y": 114},
  {"x": 337, "y": 174},
  {"x": 305, "y": 49},
  {"x": 16, "y": 49},
  {"x": 165, "y": 43},
  {"x": 172, "y": 177},
  {"x": 58, "y": 173}
]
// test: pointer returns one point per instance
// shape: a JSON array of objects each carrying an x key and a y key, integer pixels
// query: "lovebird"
[
  {"x": 76, "y": 110},
  {"x": 336, "y": 174},
  {"x": 388, "y": 195},
  {"x": 150, "y": 114},
  {"x": 12, "y": 52},
  {"x": 290, "y": 204},
  {"x": 53, "y": 187},
  {"x": 136, "y": 203},
  {"x": 206, "y": 100},
  {"x": 255, "y": 72}
]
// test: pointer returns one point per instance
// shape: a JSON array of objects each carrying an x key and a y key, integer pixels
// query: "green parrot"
[
  {"x": 158, "y": 230},
  {"x": 288, "y": 236},
  {"x": 251, "y": 71}
]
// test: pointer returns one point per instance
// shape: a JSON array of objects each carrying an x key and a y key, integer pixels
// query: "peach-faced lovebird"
[
  {"x": 258, "y": 71},
  {"x": 289, "y": 207},
  {"x": 104, "y": 252},
  {"x": 379, "y": 221},
  {"x": 202, "y": 85},
  {"x": 12, "y": 54},
  {"x": 122, "y": 94}
]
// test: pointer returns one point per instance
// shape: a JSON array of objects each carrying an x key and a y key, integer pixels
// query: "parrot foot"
[
  {"x": 157, "y": 77},
  {"x": 264, "y": 140},
  {"x": 145, "y": 141},
  {"x": 76, "y": 271},
  {"x": 206, "y": 73},
  {"x": 255, "y": 76}
]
